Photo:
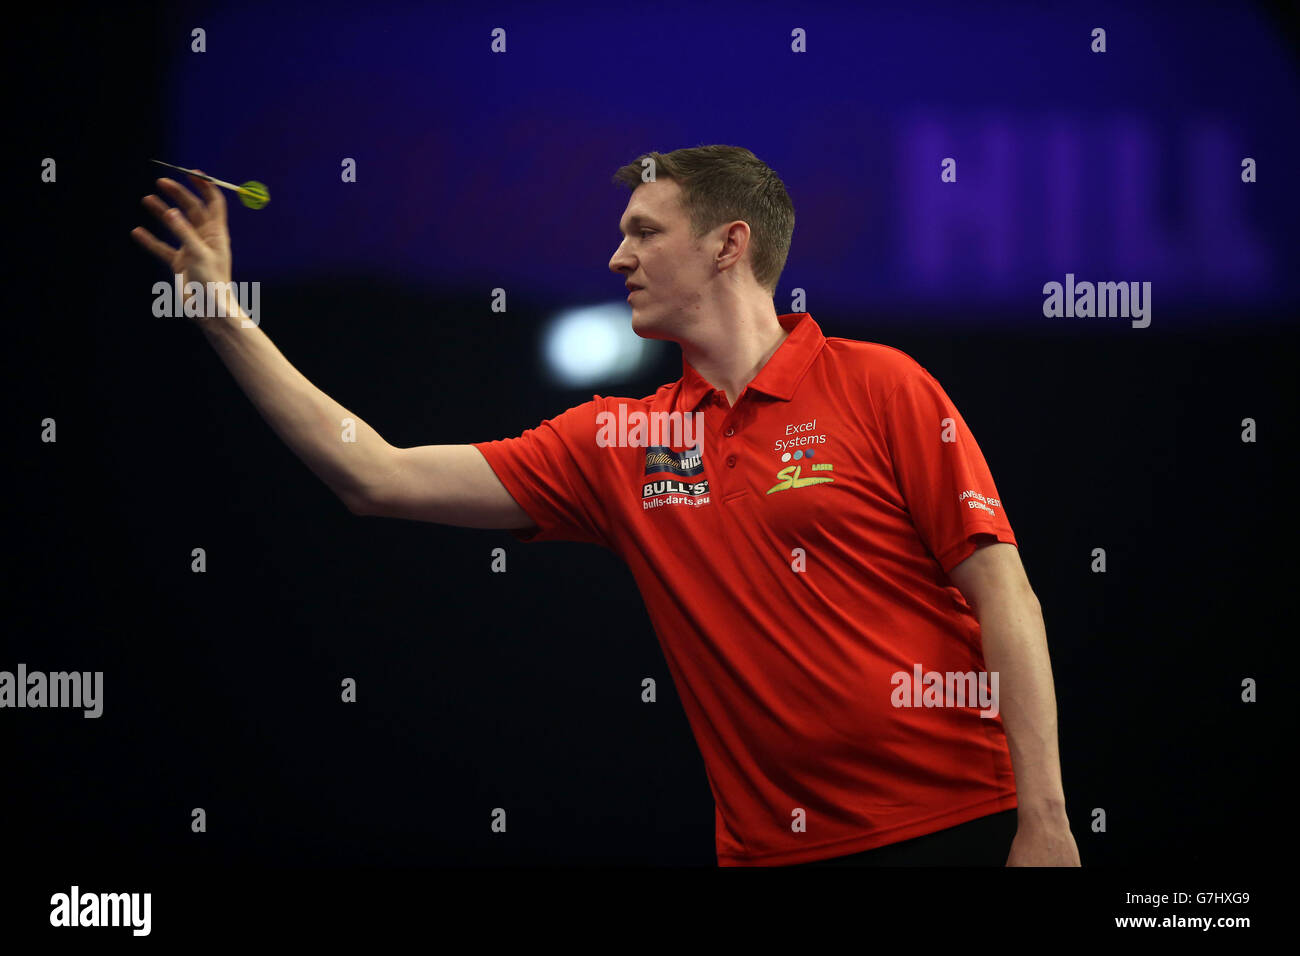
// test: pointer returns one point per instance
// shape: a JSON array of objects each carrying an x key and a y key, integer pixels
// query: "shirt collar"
[{"x": 778, "y": 377}]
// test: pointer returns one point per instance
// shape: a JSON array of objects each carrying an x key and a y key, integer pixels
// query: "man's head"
[{"x": 714, "y": 226}]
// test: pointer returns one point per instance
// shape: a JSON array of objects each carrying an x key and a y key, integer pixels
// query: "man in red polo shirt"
[
  {"x": 792, "y": 563},
  {"x": 824, "y": 555}
]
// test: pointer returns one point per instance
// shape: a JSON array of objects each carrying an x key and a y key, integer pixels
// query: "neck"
[{"x": 729, "y": 350}]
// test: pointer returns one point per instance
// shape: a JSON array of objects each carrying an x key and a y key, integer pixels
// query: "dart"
[{"x": 252, "y": 194}]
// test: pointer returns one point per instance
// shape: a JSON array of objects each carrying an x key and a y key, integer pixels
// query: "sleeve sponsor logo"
[{"x": 974, "y": 499}]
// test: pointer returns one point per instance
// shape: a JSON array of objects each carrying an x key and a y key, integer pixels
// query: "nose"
[{"x": 621, "y": 260}]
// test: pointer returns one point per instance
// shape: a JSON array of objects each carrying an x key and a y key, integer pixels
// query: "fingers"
[
  {"x": 185, "y": 199},
  {"x": 213, "y": 196},
  {"x": 159, "y": 248},
  {"x": 173, "y": 220},
  {"x": 182, "y": 224},
  {"x": 157, "y": 207}
]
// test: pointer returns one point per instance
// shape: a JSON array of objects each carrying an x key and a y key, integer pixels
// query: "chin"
[{"x": 646, "y": 327}]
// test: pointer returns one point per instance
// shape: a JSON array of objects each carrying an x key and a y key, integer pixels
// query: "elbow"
[
  {"x": 1025, "y": 598},
  {"x": 374, "y": 497}
]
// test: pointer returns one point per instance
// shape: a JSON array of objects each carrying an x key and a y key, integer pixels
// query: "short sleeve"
[
  {"x": 552, "y": 472},
  {"x": 941, "y": 471}
]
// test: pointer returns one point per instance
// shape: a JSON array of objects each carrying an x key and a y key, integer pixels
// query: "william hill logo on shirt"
[
  {"x": 659, "y": 460},
  {"x": 687, "y": 463}
]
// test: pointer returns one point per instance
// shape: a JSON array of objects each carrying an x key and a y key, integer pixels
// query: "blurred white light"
[{"x": 594, "y": 345}]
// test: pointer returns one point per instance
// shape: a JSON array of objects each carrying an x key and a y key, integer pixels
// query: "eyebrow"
[{"x": 640, "y": 219}]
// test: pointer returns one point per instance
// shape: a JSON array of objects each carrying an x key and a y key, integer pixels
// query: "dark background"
[{"x": 522, "y": 690}]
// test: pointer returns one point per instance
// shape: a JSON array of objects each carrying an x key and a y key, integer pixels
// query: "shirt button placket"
[{"x": 728, "y": 432}]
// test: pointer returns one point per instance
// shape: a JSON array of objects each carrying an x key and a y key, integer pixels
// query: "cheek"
[{"x": 665, "y": 271}]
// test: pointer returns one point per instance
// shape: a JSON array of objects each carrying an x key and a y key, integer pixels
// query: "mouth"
[{"x": 634, "y": 290}]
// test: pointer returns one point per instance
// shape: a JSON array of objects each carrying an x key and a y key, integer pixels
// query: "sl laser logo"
[{"x": 792, "y": 477}]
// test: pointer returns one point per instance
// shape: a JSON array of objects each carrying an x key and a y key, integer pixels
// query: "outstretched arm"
[{"x": 449, "y": 484}]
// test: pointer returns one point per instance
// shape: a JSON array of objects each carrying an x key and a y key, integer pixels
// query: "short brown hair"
[{"x": 721, "y": 184}]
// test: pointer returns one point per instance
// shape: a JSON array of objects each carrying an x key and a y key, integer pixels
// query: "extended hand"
[{"x": 200, "y": 225}]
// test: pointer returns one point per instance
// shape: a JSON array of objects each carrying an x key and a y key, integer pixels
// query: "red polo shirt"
[{"x": 794, "y": 566}]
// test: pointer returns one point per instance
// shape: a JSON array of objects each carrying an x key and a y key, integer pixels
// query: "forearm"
[
  {"x": 306, "y": 419},
  {"x": 1015, "y": 647}
]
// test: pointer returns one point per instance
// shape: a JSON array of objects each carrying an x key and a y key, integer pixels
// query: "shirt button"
[
  {"x": 730, "y": 432},
  {"x": 731, "y": 461}
]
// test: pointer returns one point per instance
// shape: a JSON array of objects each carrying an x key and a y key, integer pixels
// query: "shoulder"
[
  {"x": 878, "y": 367},
  {"x": 873, "y": 356}
]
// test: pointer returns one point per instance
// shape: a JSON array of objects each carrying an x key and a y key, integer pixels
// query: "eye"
[{"x": 644, "y": 231}]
